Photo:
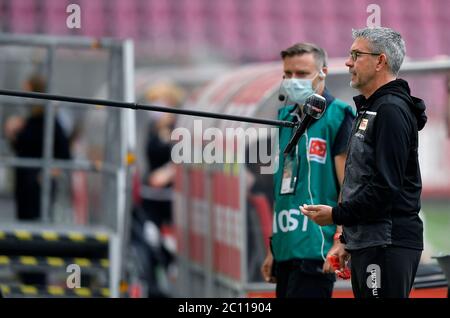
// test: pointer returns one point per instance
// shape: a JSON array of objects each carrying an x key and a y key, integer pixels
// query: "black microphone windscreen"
[
  {"x": 314, "y": 107},
  {"x": 301, "y": 128}
]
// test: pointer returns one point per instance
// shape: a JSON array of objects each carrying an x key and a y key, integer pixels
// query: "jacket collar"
[
  {"x": 328, "y": 97},
  {"x": 360, "y": 101}
]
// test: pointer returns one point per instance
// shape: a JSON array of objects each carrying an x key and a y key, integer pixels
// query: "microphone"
[
  {"x": 314, "y": 108},
  {"x": 281, "y": 97}
]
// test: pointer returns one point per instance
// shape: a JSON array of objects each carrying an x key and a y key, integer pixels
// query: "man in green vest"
[{"x": 313, "y": 172}]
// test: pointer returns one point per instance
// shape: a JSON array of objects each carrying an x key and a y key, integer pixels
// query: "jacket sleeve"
[{"x": 392, "y": 137}]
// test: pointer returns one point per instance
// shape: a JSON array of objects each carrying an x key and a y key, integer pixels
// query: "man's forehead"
[
  {"x": 360, "y": 44},
  {"x": 304, "y": 61}
]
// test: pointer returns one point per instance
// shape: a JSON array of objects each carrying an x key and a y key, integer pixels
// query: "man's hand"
[
  {"x": 266, "y": 268},
  {"x": 320, "y": 214},
  {"x": 13, "y": 126},
  {"x": 327, "y": 266},
  {"x": 162, "y": 176},
  {"x": 338, "y": 250}
]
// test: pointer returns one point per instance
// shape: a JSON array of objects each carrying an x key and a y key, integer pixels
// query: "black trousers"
[
  {"x": 303, "y": 279},
  {"x": 384, "y": 271}
]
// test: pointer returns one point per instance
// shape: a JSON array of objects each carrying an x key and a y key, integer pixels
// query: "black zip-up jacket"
[{"x": 382, "y": 183}]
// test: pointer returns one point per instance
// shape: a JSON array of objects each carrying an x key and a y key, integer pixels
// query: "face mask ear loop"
[
  {"x": 282, "y": 97},
  {"x": 315, "y": 89}
]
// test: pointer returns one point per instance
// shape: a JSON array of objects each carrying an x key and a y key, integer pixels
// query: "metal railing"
[{"x": 119, "y": 137}]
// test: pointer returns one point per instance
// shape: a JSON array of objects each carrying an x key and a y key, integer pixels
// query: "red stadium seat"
[
  {"x": 23, "y": 15},
  {"x": 54, "y": 17},
  {"x": 125, "y": 16},
  {"x": 94, "y": 20}
]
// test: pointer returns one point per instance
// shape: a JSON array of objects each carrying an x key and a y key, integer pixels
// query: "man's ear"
[
  {"x": 323, "y": 72},
  {"x": 381, "y": 62}
]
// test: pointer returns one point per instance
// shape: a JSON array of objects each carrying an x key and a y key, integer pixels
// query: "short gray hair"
[{"x": 387, "y": 41}]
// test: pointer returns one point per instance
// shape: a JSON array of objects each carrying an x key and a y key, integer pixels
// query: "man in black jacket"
[
  {"x": 27, "y": 141},
  {"x": 381, "y": 192}
]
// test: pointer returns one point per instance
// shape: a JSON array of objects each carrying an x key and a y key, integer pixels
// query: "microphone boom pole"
[{"x": 136, "y": 106}]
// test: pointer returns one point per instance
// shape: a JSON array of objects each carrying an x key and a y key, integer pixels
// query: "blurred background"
[
  {"x": 187, "y": 31},
  {"x": 105, "y": 193}
]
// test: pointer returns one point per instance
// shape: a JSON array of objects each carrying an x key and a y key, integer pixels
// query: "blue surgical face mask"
[{"x": 298, "y": 89}]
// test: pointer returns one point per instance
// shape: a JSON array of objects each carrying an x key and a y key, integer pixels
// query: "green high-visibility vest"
[{"x": 294, "y": 235}]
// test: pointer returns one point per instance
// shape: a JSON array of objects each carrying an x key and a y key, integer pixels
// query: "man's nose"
[{"x": 349, "y": 62}]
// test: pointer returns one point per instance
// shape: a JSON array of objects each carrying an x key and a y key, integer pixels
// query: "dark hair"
[{"x": 320, "y": 55}]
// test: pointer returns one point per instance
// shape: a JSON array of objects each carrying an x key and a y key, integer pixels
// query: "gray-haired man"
[{"x": 382, "y": 184}]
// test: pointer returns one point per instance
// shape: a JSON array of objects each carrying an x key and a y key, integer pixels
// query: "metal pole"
[
  {"x": 127, "y": 141},
  {"x": 114, "y": 201},
  {"x": 79, "y": 42},
  {"x": 48, "y": 141},
  {"x": 136, "y": 106}
]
